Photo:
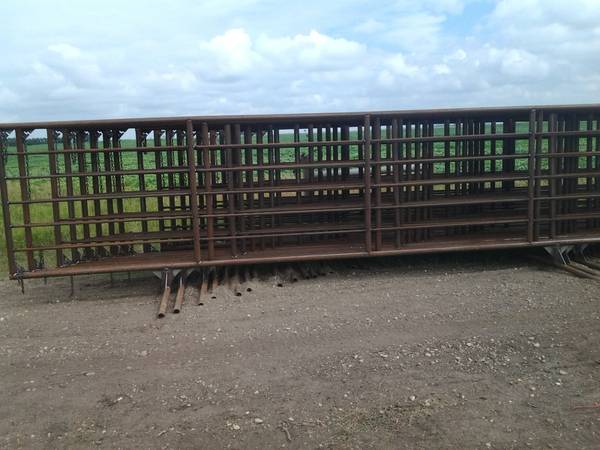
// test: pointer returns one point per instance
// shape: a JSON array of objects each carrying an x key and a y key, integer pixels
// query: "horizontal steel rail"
[{"x": 102, "y": 196}]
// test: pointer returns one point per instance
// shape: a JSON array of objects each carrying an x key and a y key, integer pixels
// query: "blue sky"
[{"x": 87, "y": 59}]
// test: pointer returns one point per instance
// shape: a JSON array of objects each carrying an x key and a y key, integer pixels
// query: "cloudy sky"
[{"x": 76, "y": 59}]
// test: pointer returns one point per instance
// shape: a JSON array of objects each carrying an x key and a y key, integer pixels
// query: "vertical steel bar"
[
  {"x": 396, "y": 168},
  {"x": 589, "y": 168},
  {"x": 83, "y": 189},
  {"x": 330, "y": 194},
  {"x": 54, "y": 192},
  {"x": 419, "y": 176},
  {"x": 562, "y": 166},
  {"x": 6, "y": 219},
  {"x": 538, "y": 171},
  {"x": 191, "y": 156},
  {"x": 230, "y": 196},
  {"x": 429, "y": 187},
  {"x": 20, "y": 137},
  {"x": 239, "y": 184},
  {"x": 208, "y": 183},
  {"x": 359, "y": 150},
  {"x": 106, "y": 143},
  {"x": 159, "y": 176},
  {"x": 183, "y": 185},
  {"x": 96, "y": 187},
  {"x": 508, "y": 148},
  {"x": 310, "y": 150},
  {"x": 367, "y": 182},
  {"x": 116, "y": 146},
  {"x": 271, "y": 159},
  {"x": 140, "y": 141},
  {"x": 277, "y": 173},
  {"x": 249, "y": 180},
  {"x": 320, "y": 160},
  {"x": 597, "y": 169},
  {"x": 409, "y": 169},
  {"x": 572, "y": 182},
  {"x": 345, "y": 135},
  {"x": 447, "y": 156},
  {"x": 378, "y": 212},
  {"x": 297, "y": 160},
  {"x": 69, "y": 185},
  {"x": 388, "y": 150},
  {"x": 170, "y": 175},
  {"x": 334, "y": 154},
  {"x": 531, "y": 181},
  {"x": 328, "y": 158},
  {"x": 552, "y": 125},
  {"x": 493, "y": 152},
  {"x": 261, "y": 182}
]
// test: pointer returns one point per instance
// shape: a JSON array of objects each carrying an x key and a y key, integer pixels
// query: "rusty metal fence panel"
[{"x": 139, "y": 194}]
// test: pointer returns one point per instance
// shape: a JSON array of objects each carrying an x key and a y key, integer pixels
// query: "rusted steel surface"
[{"x": 148, "y": 194}]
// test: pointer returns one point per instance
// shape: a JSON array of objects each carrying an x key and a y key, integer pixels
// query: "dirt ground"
[{"x": 482, "y": 351}]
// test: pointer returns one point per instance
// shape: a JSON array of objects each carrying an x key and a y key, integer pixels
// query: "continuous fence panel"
[{"x": 104, "y": 196}]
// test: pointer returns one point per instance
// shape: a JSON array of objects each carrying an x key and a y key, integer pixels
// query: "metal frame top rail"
[{"x": 521, "y": 112}]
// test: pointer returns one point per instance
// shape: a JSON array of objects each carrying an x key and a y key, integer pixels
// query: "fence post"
[
  {"x": 193, "y": 188},
  {"x": 531, "y": 182},
  {"x": 10, "y": 254},
  {"x": 367, "y": 181}
]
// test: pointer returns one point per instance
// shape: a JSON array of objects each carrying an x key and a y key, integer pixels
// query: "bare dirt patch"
[{"x": 458, "y": 351}]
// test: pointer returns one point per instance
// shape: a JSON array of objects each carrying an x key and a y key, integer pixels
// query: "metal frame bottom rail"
[{"x": 103, "y": 196}]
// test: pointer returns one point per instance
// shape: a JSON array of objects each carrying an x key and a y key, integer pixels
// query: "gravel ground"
[{"x": 457, "y": 351}]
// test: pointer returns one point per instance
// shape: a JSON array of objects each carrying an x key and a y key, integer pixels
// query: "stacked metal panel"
[{"x": 141, "y": 194}]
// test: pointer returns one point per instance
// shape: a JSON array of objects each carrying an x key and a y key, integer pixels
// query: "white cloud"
[
  {"x": 66, "y": 51},
  {"x": 183, "y": 79},
  {"x": 520, "y": 63},
  {"x": 369, "y": 26},
  {"x": 397, "y": 64},
  {"x": 457, "y": 55},
  {"x": 231, "y": 53},
  {"x": 314, "y": 50},
  {"x": 441, "y": 69},
  {"x": 7, "y": 96}
]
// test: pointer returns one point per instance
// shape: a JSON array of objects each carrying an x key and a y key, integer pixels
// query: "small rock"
[
  {"x": 144, "y": 353},
  {"x": 258, "y": 420},
  {"x": 562, "y": 372},
  {"x": 412, "y": 398},
  {"x": 235, "y": 426},
  {"x": 90, "y": 374},
  {"x": 536, "y": 344}
]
